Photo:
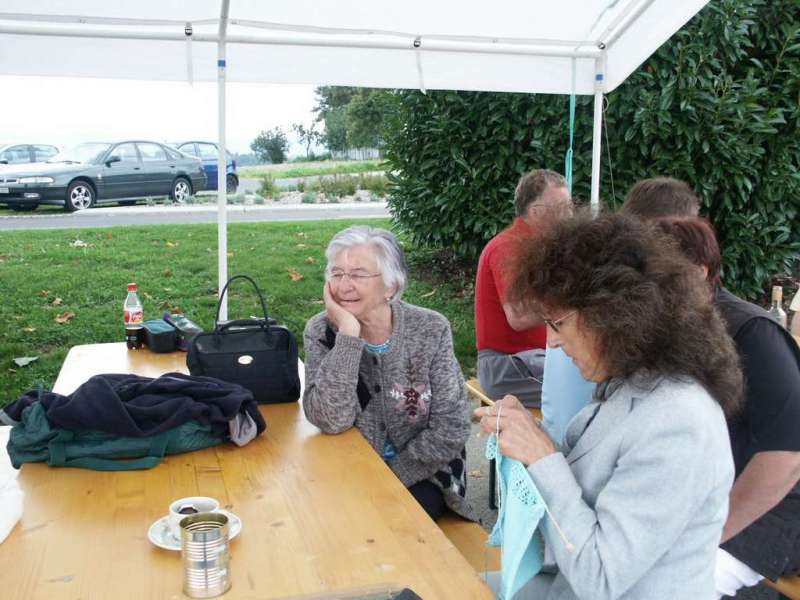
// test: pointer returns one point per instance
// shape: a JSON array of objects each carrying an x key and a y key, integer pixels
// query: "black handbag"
[{"x": 255, "y": 353}]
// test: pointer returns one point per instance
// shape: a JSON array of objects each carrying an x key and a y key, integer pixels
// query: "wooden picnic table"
[{"x": 320, "y": 513}]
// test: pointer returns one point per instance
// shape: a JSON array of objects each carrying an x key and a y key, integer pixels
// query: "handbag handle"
[{"x": 222, "y": 295}]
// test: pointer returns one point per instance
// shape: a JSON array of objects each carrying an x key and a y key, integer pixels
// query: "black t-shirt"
[{"x": 770, "y": 419}]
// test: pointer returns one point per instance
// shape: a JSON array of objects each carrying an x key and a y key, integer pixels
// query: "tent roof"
[{"x": 505, "y": 45}]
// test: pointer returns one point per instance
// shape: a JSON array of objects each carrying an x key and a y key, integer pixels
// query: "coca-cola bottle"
[{"x": 133, "y": 315}]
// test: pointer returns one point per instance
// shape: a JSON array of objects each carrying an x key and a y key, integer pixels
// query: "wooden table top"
[{"x": 320, "y": 513}]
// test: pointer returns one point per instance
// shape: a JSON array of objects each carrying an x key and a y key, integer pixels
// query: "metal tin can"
[{"x": 205, "y": 554}]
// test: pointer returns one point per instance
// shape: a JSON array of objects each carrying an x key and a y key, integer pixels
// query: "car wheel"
[
  {"x": 127, "y": 202},
  {"x": 80, "y": 196},
  {"x": 231, "y": 184},
  {"x": 23, "y": 207},
  {"x": 181, "y": 190}
]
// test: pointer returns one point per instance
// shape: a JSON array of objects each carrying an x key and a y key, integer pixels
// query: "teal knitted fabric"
[{"x": 521, "y": 508}]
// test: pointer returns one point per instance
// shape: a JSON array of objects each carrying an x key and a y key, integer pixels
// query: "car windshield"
[{"x": 82, "y": 153}]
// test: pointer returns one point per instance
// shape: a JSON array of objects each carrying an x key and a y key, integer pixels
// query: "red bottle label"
[{"x": 133, "y": 317}]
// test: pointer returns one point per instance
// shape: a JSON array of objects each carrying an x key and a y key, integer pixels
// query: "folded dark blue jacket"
[{"x": 134, "y": 406}]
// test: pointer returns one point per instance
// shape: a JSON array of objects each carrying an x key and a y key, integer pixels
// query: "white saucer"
[{"x": 160, "y": 535}]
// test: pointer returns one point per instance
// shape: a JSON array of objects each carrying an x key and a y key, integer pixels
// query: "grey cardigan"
[
  {"x": 415, "y": 392},
  {"x": 641, "y": 492}
]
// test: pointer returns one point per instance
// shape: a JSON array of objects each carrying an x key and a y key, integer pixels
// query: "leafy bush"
[
  {"x": 378, "y": 184},
  {"x": 717, "y": 106},
  {"x": 309, "y": 198},
  {"x": 336, "y": 186},
  {"x": 268, "y": 189}
]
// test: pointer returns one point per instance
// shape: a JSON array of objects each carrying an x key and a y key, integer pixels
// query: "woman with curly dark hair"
[{"x": 640, "y": 486}]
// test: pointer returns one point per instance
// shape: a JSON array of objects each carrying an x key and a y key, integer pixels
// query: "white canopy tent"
[{"x": 556, "y": 47}]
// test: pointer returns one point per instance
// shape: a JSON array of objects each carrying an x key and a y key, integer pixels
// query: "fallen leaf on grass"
[
  {"x": 167, "y": 272},
  {"x": 64, "y": 317},
  {"x": 44, "y": 293},
  {"x": 109, "y": 235},
  {"x": 318, "y": 302},
  {"x": 147, "y": 296},
  {"x": 56, "y": 302},
  {"x": 311, "y": 260},
  {"x": 29, "y": 329},
  {"x": 25, "y": 360},
  {"x": 429, "y": 294},
  {"x": 173, "y": 244},
  {"x": 230, "y": 254},
  {"x": 295, "y": 275},
  {"x": 3, "y": 257},
  {"x": 301, "y": 246},
  {"x": 301, "y": 234},
  {"x": 79, "y": 244}
]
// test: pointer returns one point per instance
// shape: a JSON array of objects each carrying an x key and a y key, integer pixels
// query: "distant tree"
[
  {"x": 271, "y": 146},
  {"x": 308, "y": 136},
  {"x": 368, "y": 113},
  {"x": 354, "y": 117},
  {"x": 331, "y": 110}
]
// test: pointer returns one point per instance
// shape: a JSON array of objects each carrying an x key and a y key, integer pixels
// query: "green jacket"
[{"x": 35, "y": 440}]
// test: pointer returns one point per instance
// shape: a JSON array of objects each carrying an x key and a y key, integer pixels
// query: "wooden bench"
[
  {"x": 470, "y": 539},
  {"x": 788, "y": 586}
]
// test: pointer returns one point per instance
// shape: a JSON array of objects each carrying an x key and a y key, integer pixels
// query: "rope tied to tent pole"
[
  {"x": 568, "y": 156},
  {"x": 187, "y": 30},
  {"x": 418, "y": 55}
]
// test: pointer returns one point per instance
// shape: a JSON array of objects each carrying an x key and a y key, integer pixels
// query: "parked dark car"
[
  {"x": 95, "y": 173},
  {"x": 208, "y": 153},
  {"x": 15, "y": 154}
]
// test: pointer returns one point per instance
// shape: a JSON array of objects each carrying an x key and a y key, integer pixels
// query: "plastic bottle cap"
[{"x": 132, "y": 287}]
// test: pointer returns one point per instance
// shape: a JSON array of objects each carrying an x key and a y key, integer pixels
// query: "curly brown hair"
[{"x": 639, "y": 295}]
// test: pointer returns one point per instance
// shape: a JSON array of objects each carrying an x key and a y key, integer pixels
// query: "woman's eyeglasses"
[
  {"x": 355, "y": 278},
  {"x": 553, "y": 324}
]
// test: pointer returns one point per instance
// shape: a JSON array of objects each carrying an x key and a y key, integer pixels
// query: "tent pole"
[
  {"x": 599, "y": 85},
  {"x": 222, "y": 162},
  {"x": 314, "y": 40}
]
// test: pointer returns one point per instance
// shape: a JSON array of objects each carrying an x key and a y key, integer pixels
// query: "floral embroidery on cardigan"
[{"x": 414, "y": 400}]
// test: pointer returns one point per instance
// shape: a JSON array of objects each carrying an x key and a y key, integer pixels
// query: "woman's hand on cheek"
[{"x": 344, "y": 321}]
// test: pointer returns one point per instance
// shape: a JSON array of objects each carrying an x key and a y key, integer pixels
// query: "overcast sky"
[{"x": 66, "y": 111}]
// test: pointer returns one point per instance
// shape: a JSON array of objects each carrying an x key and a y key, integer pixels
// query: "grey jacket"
[
  {"x": 414, "y": 394},
  {"x": 641, "y": 492}
]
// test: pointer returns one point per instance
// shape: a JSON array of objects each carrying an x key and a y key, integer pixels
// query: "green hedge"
[{"x": 717, "y": 106}]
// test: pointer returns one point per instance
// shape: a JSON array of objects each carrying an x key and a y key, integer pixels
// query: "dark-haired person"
[
  {"x": 761, "y": 537},
  {"x": 640, "y": 486},
  {"x": 564, "y": 391},
  {"x": 511, "y": 343},
  {"x": 661, "y": 197}
]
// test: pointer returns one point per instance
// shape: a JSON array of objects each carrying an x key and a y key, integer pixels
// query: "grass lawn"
[
  {"x": 306, "y": 169},
  {"x": 79, "y": 276}
]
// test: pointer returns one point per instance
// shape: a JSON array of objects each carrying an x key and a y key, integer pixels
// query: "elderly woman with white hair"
[{"x": 388, "y": 368}]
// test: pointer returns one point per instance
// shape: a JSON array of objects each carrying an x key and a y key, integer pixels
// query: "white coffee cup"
[{"x": 188, "y": 506}]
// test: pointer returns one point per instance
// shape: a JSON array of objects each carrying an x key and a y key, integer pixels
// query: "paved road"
[{"x": 150, "y": 215}]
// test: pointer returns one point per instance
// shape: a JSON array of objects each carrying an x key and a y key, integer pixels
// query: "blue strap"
[{"x": 568, "y": 157}]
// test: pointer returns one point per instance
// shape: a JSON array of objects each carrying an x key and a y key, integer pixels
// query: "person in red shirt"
[{"x": 511, "y": 343}]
